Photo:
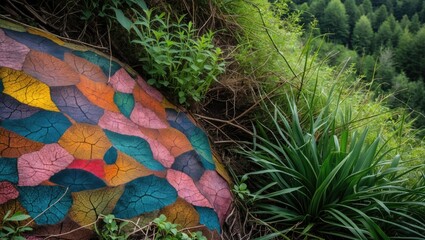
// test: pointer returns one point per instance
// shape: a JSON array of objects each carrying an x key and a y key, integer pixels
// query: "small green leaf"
[
  {"x": 18, "y": 216},
  {"x": 122, "y": 19}
]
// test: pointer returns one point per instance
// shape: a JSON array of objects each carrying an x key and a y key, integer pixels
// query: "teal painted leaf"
[
  {"x": 9, "y": 170},
  {"x": 124, "y": 102},
  {"x": 145, "y": 194},
  {"x": 44, "y": 126},
  {"x": 77, "y": 180},
  {"x": 209, "y": 218},
  {"x": 53, "y": 201},
  {"x": 135, "y": 147},
  {"x": 108, "y": 67},
  {"x": 111, "y": 156}
]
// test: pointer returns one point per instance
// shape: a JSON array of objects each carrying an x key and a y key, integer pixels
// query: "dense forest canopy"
[{"x": 385, "y": 39}]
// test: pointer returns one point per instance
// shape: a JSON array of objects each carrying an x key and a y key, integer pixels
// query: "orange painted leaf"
[
  {"x": 13, "y": 145},
  {"x": 50, "y": 70},
  {"x": 85, "y": 141},
  {"x": 86, "y": 68}
]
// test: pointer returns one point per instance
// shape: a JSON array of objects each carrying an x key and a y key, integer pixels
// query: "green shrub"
[
  {"x": 174, "y": 56},
  {"x": 319, "y": 178}
]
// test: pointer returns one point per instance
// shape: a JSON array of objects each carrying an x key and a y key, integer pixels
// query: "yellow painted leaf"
[
  {"x": 27, "y": 89},
  {"x": 87, "y": 205}
]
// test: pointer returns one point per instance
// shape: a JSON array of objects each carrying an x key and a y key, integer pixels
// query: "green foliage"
[
  {"x": 11, "y": 227},
  {"x": 170, "y": 231},
  {"x": 410, "y": 95},
  {"x": 111, "y": 229},
  {"x": 173, "y": 56},
  {"x": 93, "y": 9},
  {"x": 241, "y": 189},
  {"x": 317, "y": 177}
]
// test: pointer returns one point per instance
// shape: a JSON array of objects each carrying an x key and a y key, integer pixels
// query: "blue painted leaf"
[
  {"x": 189, "y": 163},
  {"x": 37, "y": 199},
  {"x": 9, "y": 170},
  {"x": 145, "y": 194},
  {"x": 111, "y": 156},
  {"x": 43, "y": 126},
  {"x": 77, "y": 180},
  {"x": 196, "y": 136},
  {"x": 135, "y": 147},
  {"x": 209, "y": 218},
  {"x": 108, "y": 67},
  {"x": 38, "y": 43},
  {"x": 10, "y": 108},
  {"x": 124, "y": 102},
  {"x": 72, "y": 102}
]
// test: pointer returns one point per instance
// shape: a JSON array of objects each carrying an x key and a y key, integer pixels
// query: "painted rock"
[{"x": 82, "y": 135}]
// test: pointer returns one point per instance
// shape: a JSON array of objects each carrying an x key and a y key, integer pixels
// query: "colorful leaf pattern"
[{"x": 83, "y": 135}]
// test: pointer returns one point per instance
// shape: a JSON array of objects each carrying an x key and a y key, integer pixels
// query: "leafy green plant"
[
  {"x": 170, "y": 231},
  {"x": 241, "y": 189},
  {"x": 111, "y": 229},
  {"x": 11, "y": 227},
  {"x": 174, "y": 57},
  {"x": 318, "y": 178},
  {"x": 92, "y": 9}
]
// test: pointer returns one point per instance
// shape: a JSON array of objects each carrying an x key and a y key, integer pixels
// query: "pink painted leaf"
[
  {"x": 186, "y": 188},
  {"x": 121, "y": 81},
  {"x": 216, "y": 190},
  {"x": 150, "y": 90},
  {"x": 116, "y": 122},
  {"x": 145, "y": 117},
  {"x": 39, "y": 166},
  {"x": 12, "y": 53},
  {"x": 7, "y": 192}
]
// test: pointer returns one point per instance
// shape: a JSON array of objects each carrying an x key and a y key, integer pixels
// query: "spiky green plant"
[{"x": 319, "y": 178}]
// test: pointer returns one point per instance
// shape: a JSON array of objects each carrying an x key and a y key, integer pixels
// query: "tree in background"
[
  {"x": 405, "y": 22},
  {"x": 385, "y": 71},
  {"x": 410, "y": 54},
  {"x": 353, "y": 13},
  {"x": 415, "y": 24},
  {"x": 379, "y": 17},
  {"x": 367, "y": 7},
  {"x": 366, "y": 67},
  {"x": 335, "y": 20},
  {"x": 316, "y": 9},
  {"x": 395, "y": 30},
  {"x": 383, "y": 36},
  {"x": 410, "y": 95},
  {"x": 362, "y": 37}
]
